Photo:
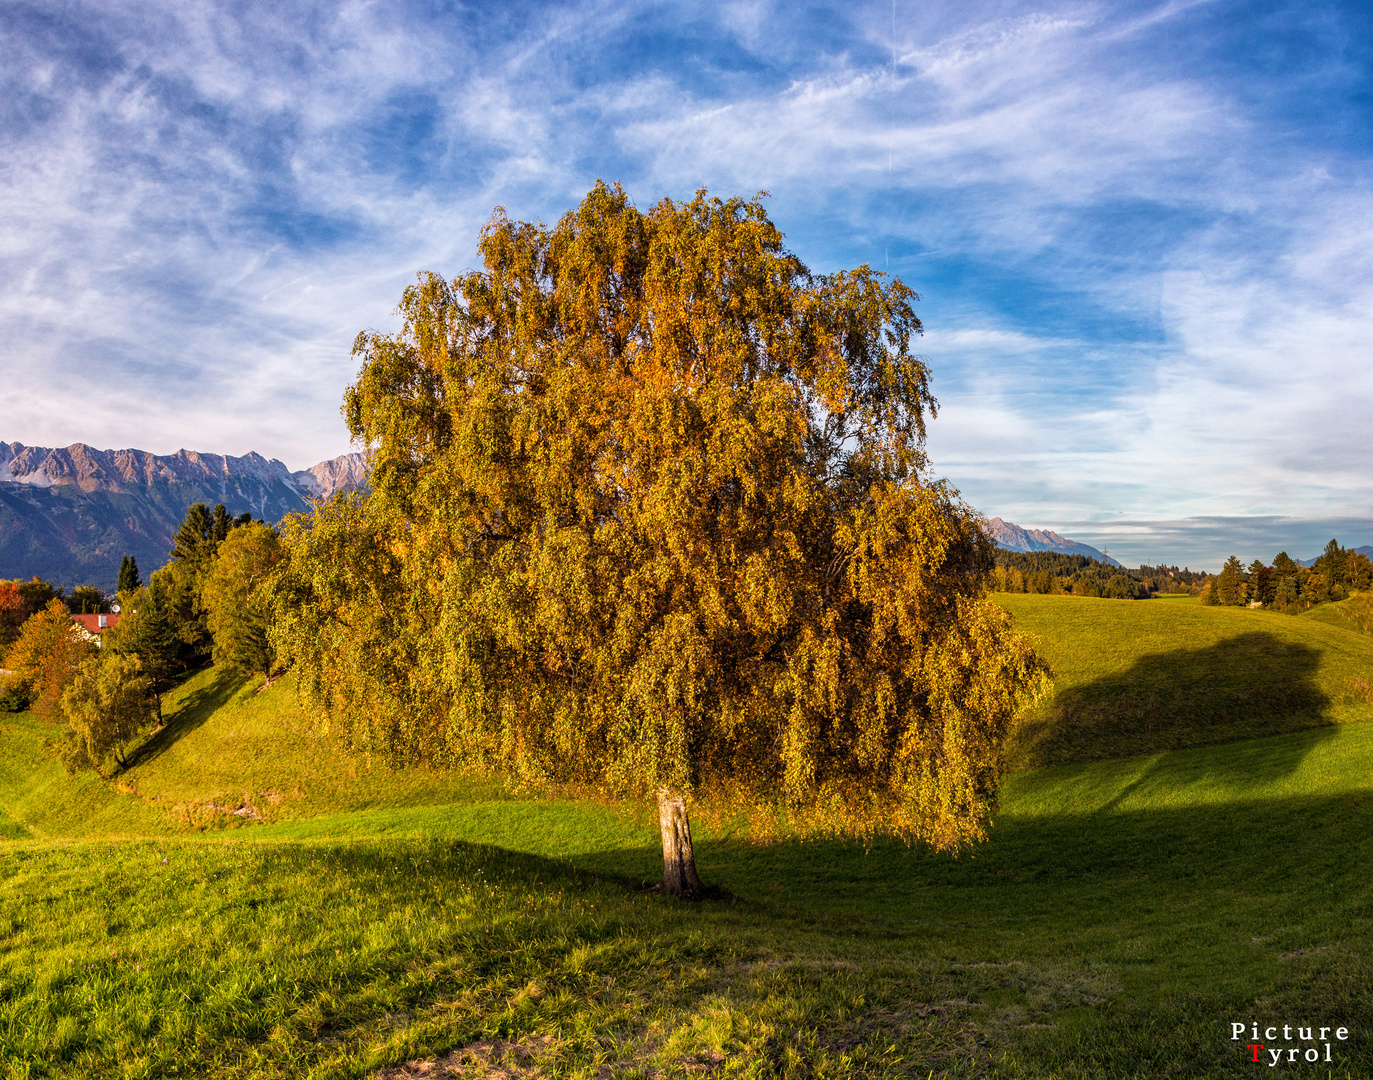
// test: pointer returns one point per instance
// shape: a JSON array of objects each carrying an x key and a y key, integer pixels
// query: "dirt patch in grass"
[{"x": 490, "y": 1059}]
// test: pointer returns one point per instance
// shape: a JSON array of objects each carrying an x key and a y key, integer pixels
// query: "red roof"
[{"x": 97, "y": 624}]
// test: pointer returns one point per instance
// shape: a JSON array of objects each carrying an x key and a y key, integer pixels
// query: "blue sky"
[{"x": 1142, "y": 231}]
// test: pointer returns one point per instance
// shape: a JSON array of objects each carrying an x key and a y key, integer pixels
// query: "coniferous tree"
[
  {"x": 129, "y": 580},
  {"x": 1230, "y": 582},
  {"x": 192, "y": 539},
  {"x": 1261, "y": 582},
  {"x": 179, "y": 584},
  {"x": 1331, "y": 567},
  {"x": 237, "y": 601},
  {"x": 148, "y": 632},
  {"x": 220, "y": 524}
]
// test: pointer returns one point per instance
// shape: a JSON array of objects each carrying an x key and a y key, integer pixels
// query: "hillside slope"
[
  {"x": 1138, "y": 677},
  {"x": 369, "y": 918},
  {"x": 1129, "y": 678}
]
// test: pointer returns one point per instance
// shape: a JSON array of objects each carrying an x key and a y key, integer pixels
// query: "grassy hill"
[
  {"x": 1355, "y": 613},
  {"x": 1125, "y": 912},
  {"x": 1133, "y": 678}
]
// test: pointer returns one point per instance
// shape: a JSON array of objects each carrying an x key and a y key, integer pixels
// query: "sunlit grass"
[{"x": 1122, "y": 915}]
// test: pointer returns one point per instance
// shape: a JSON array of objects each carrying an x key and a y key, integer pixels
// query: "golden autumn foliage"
[
  {"x": 49, "y": 651},
  {"x": 647, "y": 510}
]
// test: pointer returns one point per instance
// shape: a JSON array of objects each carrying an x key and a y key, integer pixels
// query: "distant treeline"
[
  {"x": 1283, "y": 586},
  {"x": 1079, "y": 575}
]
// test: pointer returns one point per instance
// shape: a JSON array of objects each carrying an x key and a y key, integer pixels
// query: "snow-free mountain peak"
[
  {"x": 69, "y": 514},
  {"x": 1014, "y": 538}
]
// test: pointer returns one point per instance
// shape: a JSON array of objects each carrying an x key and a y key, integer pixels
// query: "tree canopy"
[
  {"x": 46, "y": 656},
  {"x": 648, "y": 512},
  {"x": 107, "y": 704}
]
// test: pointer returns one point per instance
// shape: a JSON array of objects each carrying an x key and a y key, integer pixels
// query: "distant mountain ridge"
[
  {"x": 69, "y": 514},
  {"x": 1366, "y": 549},
  {"x": 1014, "y": 538}
]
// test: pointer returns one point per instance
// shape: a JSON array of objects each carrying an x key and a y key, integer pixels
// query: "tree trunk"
[{"x": 679, "y": 864}]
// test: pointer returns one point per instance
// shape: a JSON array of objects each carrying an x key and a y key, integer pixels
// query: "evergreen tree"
[
  {"x": 179, "y": 584},
  {"x": 147, "y": 632},
  {"x": 220, "y": 524},
  {"x": 1331, "y": 566},
  {"x": 237, "y": 600},
  {"x": 1230, "y": 583},
  {"x": 193, "y": 539},
  {"x": 129, "y": 581},
  {"x": 1261, "y": 583},
  {"x": 1284, "y": 565}
]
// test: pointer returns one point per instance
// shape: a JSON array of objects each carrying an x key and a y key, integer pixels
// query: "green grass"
[
  {"x": 1123, "y": 914},
  {"x": 1355, "y": 613},
  {"x": 1134, "y": 678}
]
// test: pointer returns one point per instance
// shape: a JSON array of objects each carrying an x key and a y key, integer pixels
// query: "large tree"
[{"x": 648, "y": 515}]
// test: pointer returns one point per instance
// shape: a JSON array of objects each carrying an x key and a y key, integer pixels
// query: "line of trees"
[
  {"x": 1079, "y": 575},
  {"x": 211, "y": 601},
  {"x": 1283, "y": 586},
  {"x": 1287, "y": 586}
]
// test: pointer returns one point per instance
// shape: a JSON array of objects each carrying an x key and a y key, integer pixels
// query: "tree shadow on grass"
[
  {"x": 1067, "y": 939},
  {"x": 1246, "y": 687},
  {"x": 196, "y": 708}
]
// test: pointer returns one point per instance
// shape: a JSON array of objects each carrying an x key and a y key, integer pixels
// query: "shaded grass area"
[
  {"x": 1134, "y": 678},
  {"x": 1122, "y": 916}
]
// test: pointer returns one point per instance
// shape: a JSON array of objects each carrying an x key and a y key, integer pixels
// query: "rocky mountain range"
[
  {"x": 1014, "y": 538},
  {"x": 70, "y": 514}
]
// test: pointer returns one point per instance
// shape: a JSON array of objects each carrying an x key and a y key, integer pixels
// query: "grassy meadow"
[{"x": 1184, "y": 845}]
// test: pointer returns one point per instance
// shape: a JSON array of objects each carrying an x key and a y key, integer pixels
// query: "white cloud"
[{"x": 1143, "y": 295}]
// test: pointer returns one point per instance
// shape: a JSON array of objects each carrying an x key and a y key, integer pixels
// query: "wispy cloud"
[{"x": 1141, "y": 230}]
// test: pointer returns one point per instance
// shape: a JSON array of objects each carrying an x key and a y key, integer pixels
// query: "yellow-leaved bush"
[{"x": 647, "y": 510}]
